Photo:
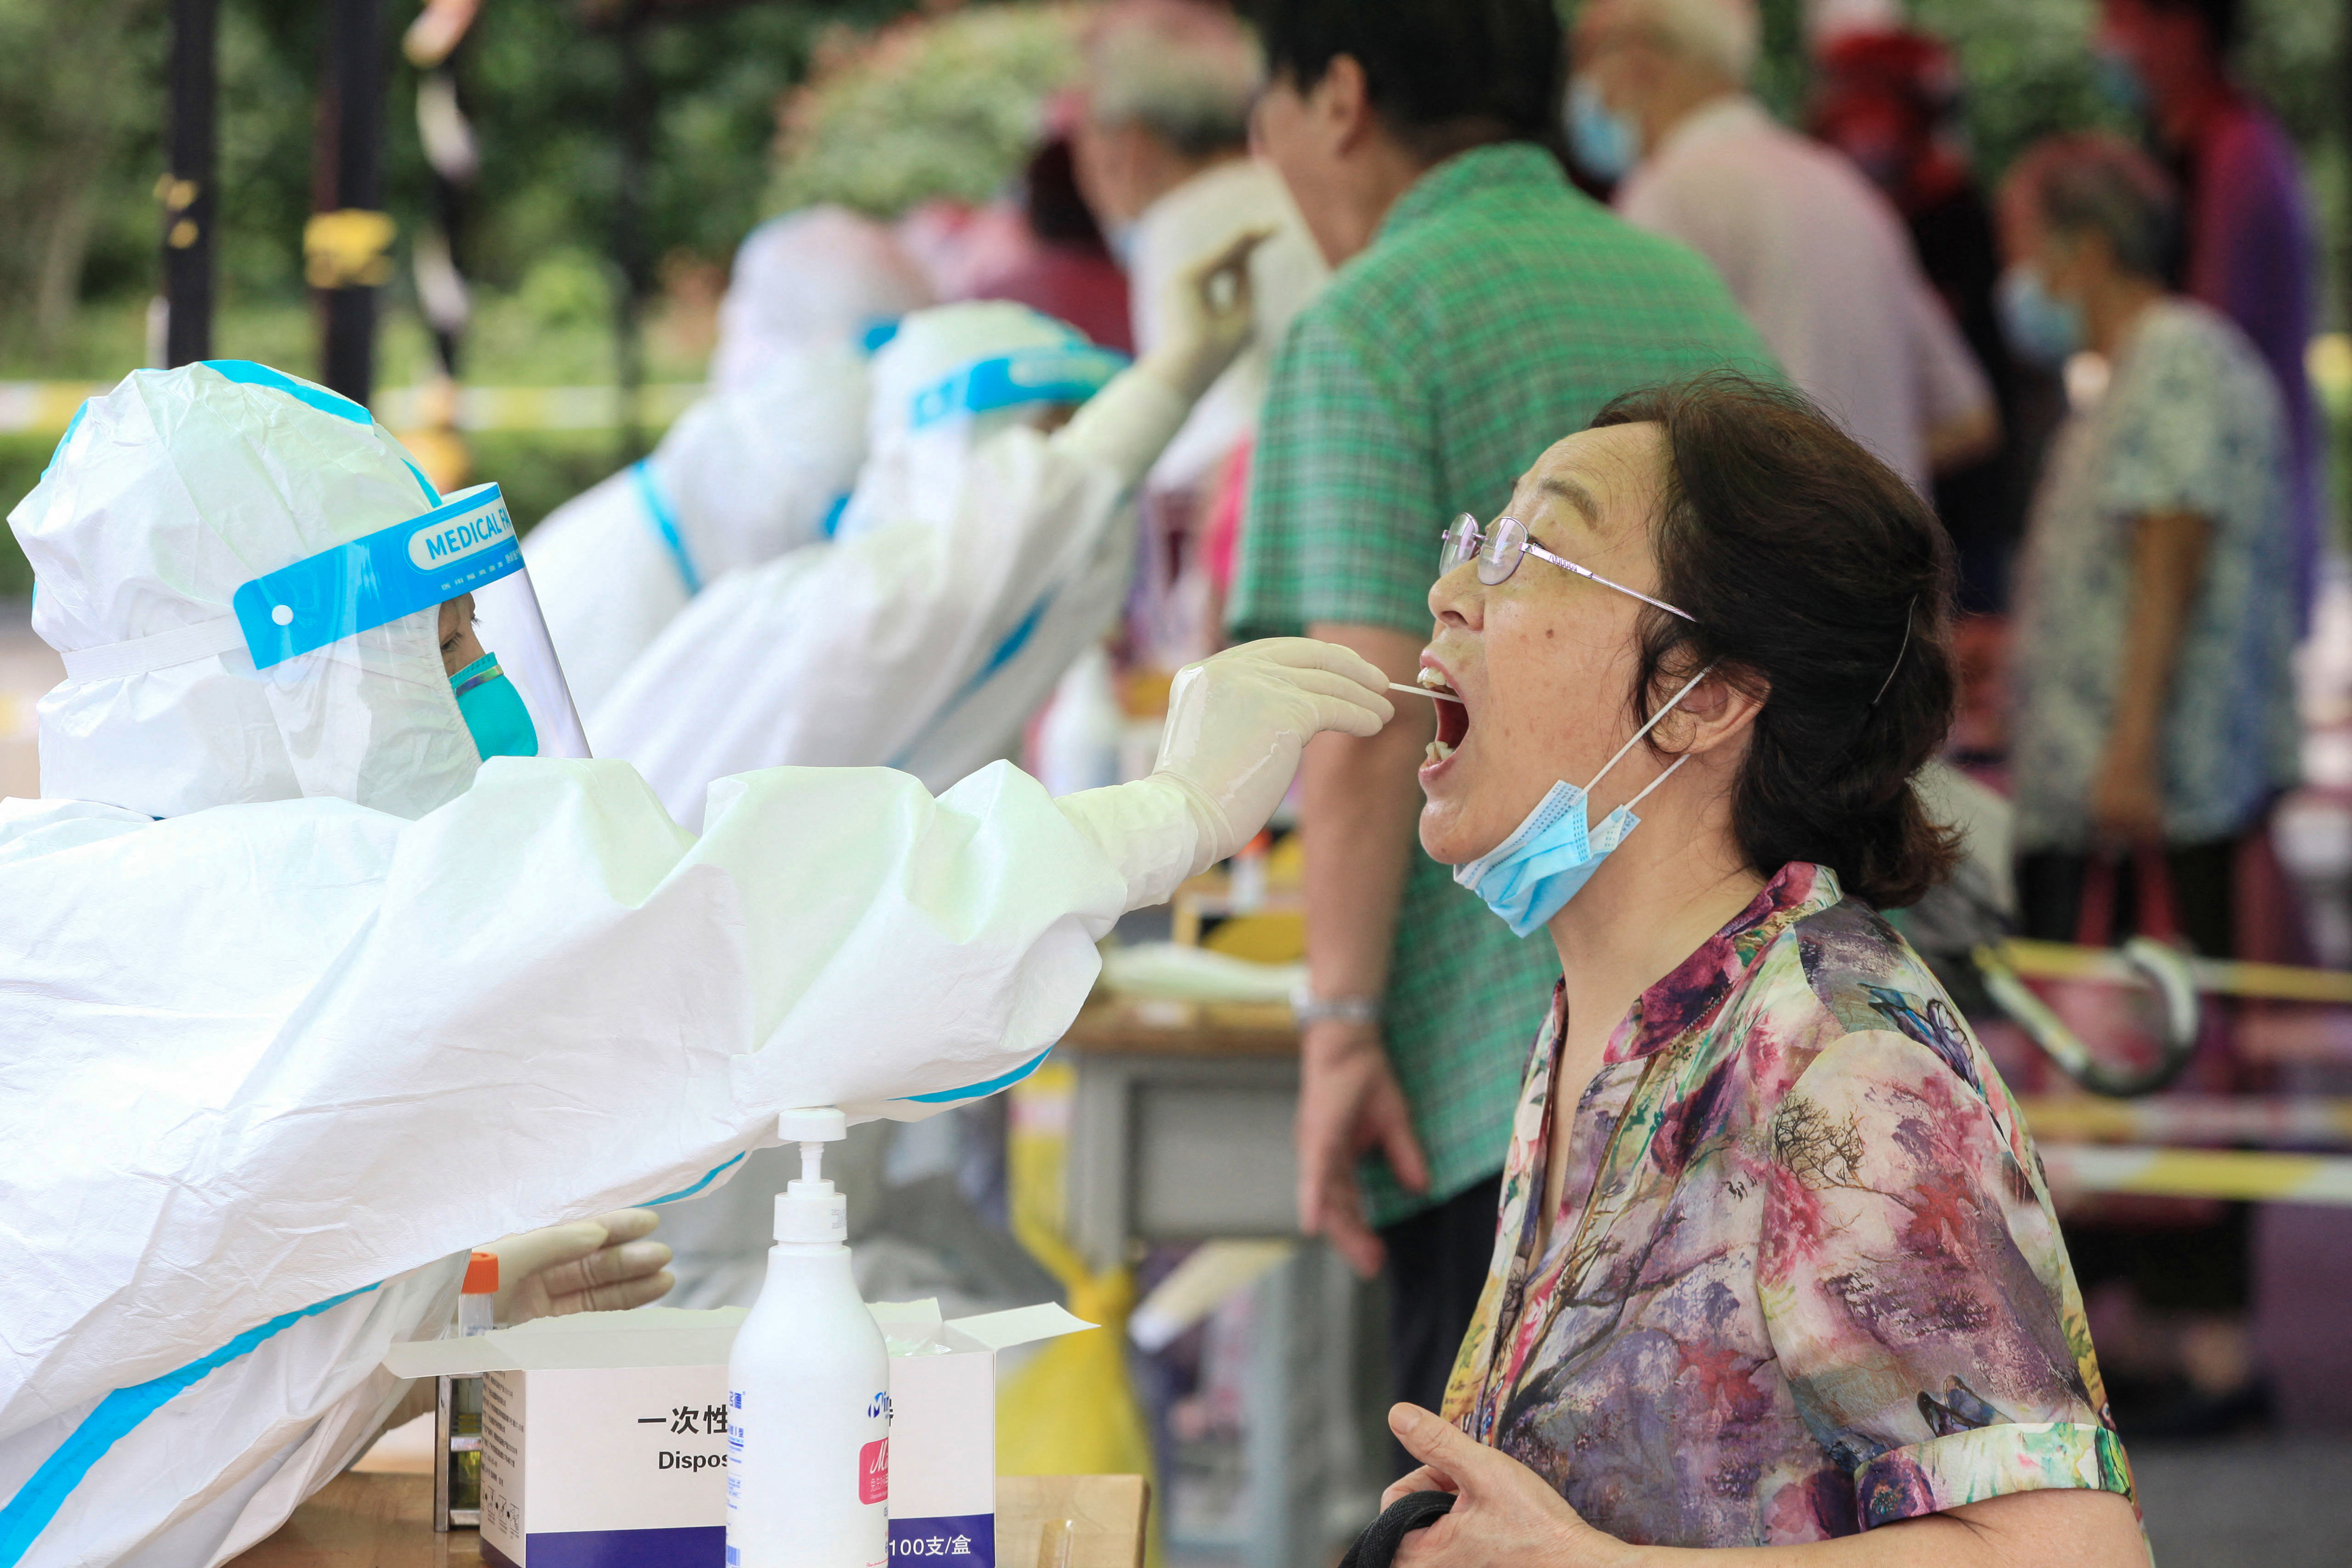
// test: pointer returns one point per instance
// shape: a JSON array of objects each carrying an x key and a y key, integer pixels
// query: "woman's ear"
[{"x": 1717, "y": 712}]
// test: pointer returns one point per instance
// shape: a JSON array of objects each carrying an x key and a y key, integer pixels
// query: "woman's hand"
[
  {"x": 2128, "y": 797},
  {"x": 1503, "y": 1512},
  {"x": 1211, "y": 314},
  {"x": 599, "y": 1265}
]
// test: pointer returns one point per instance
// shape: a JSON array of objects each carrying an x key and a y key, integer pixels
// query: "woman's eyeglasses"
[{"x": 1497, "y": 553}]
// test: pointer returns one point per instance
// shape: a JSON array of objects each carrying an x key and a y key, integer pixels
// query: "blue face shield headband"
[
  {"x": 513, "y": 704},
  {"x": 1071, "y": 374},
  {"x": 1529, "y": 877}
]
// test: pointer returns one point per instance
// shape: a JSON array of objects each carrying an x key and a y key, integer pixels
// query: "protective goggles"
[
  {"x": 1071, "y": 374},
  {"x": 1498, "y": 552},
  {"x": 461, "y": 558}
]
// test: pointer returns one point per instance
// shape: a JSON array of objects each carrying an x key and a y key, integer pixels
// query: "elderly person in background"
[
  {"x": 2156, "y": 715},
  {"x": 1813, "y": 253},
  {"x": 2252, "y": 251},
  {"x": 1161, "y": 144}
]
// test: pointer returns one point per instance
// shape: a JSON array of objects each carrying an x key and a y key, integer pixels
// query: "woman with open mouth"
[{"x": 1777, "y": 1263}]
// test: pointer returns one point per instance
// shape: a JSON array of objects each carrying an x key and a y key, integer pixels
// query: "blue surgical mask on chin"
[
  {"x": 1530, "y": 876},
  {"x": 2042, "y": 328},
  {"x": 493, "y": 710},
  {"x": 1603, "y": 140}
]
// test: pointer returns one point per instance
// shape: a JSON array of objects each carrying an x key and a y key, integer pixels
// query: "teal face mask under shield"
[
  {"x": 513, "y": 703},
  {"x": 494, "y": 711},
  {"x": 1530, "y": 876}
]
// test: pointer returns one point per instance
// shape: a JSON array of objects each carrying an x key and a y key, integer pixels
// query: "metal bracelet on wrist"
[{"x": 1308, "y": 1009}]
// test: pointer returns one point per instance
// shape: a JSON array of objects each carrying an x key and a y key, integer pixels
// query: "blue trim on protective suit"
[
  {"x": 71, "y": 425},
  {"x": 1014, "y": 641},
  {"x": 665, "y": 522},
  {"x": 708, "y": 1176},
  {"x": 981, "y": 1091},
  {"x": 1006, "y": 652},
  {"x": 832, "y": 524},
  {"x": 25, "y": 1515},
  {"x": 248, "y": 372}
]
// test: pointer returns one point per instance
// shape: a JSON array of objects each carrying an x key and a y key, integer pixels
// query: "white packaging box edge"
[{"x": 612, "y": 1394}]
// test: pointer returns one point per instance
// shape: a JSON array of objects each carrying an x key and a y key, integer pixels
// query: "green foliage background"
[
  {"x": 82, "y": 97},
  {"x": 945, "y": 110}
]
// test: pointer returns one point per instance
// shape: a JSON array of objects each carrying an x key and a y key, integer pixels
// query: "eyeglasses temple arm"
[{"x": 1535, "y": 549}]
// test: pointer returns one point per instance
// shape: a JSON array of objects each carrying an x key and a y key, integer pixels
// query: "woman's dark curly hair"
[{"x": 1821, "y": 581}]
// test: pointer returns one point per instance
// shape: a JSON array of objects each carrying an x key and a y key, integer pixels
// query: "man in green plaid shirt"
[{"x": 1483, "y": 309}]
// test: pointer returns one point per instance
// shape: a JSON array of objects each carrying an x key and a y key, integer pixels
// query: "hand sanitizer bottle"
[{"x": 808, "y": 1401}]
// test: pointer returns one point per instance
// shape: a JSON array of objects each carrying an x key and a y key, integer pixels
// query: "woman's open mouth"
[{"x": 1453, "y": 718}]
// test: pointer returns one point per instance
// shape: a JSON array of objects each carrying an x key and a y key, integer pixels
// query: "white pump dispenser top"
[{"x": 810, "y": 1210}]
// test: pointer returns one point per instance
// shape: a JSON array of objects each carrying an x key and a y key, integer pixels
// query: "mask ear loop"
[
  {"x": 1645, "y": 729},
  {"x": 1908, "y": 611}
]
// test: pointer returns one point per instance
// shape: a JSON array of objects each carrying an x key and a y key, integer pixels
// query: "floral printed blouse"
[{"x": 1804, "y": 1278}]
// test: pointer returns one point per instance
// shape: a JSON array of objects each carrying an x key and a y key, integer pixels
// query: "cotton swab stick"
[{"x": 1424, "y": 692}]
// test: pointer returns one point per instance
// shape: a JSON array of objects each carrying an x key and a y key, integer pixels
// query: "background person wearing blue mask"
[
  {"x": 1817, "y": 257},
  {"x": 342, "y": 998},
  {"x": 2155, "y": 720}
]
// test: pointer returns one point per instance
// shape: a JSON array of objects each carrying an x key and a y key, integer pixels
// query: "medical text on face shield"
[{"x": 460, "y": 537}]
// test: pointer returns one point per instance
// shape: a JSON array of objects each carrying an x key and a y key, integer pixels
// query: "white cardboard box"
[{"x": 604, "y": 1436}]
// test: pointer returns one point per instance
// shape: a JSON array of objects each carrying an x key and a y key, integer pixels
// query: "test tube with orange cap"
[{"x": 457, "y": 1487}]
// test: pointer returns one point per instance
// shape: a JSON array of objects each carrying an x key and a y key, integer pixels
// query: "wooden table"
[
  {"x": 367, "y": 1522},
  {"x": 383, "y": 1520}
]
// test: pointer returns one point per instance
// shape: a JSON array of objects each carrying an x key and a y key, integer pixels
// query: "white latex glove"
[
  {"x": 599, "y": 1265},
  {"x": 1210, "y": 312},
  {"x": 1237, "y": 723}
]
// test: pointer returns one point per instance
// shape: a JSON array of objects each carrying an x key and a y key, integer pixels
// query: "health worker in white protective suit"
[
  {"x": 328, "y": 956},
  {"x": 761, "y": 466},
  {"x": 980, "y": 554}
]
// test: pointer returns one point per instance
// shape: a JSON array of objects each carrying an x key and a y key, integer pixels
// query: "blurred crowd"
[{"x": 1476, "y": 233}]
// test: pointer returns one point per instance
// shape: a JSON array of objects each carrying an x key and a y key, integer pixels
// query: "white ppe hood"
[
  {"x": 817, "y": 278},
  {"x": 166, "y": 494}
]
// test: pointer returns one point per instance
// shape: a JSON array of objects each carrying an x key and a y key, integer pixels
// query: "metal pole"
[
  {"x": 345, "y": 245},
  {"x": 187, "y": 189},
  {"x": 636, "y": 124}
]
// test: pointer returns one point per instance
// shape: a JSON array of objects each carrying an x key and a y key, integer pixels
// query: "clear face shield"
[{"x": 419, "y": 647}]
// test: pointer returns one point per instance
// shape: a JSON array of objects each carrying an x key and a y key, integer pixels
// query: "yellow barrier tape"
[
  {"x": 2200, "y": 1173},
  {"x": 46, "y": 408},
  {"x": 2190, "y": 1119},
  {"x": 2270, "y": 982}
]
